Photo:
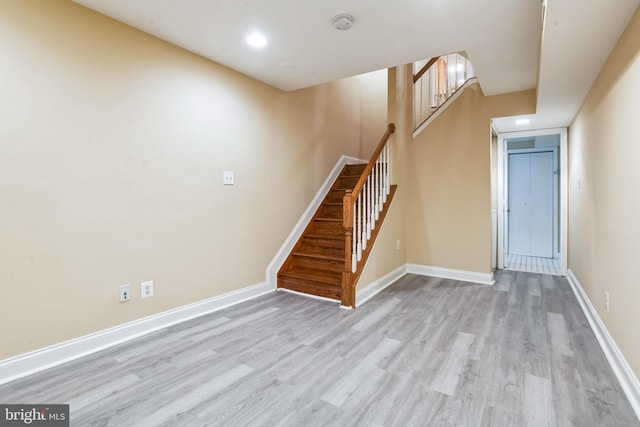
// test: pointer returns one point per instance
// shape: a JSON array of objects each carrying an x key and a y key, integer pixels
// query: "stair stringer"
[{"x": 288, "y": 245}]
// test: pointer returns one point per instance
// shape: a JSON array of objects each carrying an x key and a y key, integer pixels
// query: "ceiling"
[{"x": 502, "y": 38}]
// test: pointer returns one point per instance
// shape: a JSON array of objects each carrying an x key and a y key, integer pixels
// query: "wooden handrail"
[
  {"x": 367, "y": 170},
  {"x": 424, "y": 69}
]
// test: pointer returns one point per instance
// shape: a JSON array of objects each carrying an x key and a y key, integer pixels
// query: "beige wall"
[
  {"x": 448, "y": 198},
  {"x": 604, "y": 212},
  {"x": 112, "y": 148}
]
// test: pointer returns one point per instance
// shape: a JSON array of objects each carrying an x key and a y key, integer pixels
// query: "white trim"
[
  {"x": 449, "y": 273},
  {"x": 48, "y": 357},
  {"x": 621, "y": 369},
  {"x": 380, "y": 284},
  {"x": 290, "y": 242},
  {"x": 564, "y": 202},
  {"x": 500, "y": 226},
  {"x": 444, "y": 106}
]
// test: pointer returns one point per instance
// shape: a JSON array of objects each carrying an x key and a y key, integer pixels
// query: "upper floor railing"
[{"x": 436, "y": 80}]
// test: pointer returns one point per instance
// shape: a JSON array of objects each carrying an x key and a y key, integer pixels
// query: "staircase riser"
[
  {"x": 335, "y": 196},
  {"x": 315, "y": 288},
  {"x": 323, "y": 246},
  {"x": 329, "y": 227},
  {"x": 332, "y": 211},
  {"x": 353, "y": 169},
  {"x": 347, "y": 182},
  {"x": 320, "y": 264}
]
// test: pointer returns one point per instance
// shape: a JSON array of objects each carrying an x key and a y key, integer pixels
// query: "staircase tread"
[
  {"x": 331, "y": 255},
  {"x": 315, "y": 275},
  {"x": 327, "y": 219}
]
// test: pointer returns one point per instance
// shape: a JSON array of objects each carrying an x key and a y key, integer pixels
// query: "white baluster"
[
  {"x": 376, "y": 201},
  {"x": 372, "y": 223},
  {"x": 385, "y": 172},
  {"x": 388, "y": 169},
  {"x": 354, "y": 256},
  {"x": 380, "y": 185},
  {"x": 365, "y": 213},
  {"x": 354, "y": 236},
  {"x": 359, "y": 229}
]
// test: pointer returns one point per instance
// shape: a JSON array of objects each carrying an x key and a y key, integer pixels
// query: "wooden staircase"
[
  {"x": 319, "y": 263},
  {"x": 330, "y": 255}
]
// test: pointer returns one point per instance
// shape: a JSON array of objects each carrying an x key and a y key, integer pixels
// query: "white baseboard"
[
  {"x": 289, "y": 243},
  {"x": 449, "y": 273},
  {"x": 36, "y": 361},
  {"x": 378, "y": 285},
  {"x": 619, "y": 365}
]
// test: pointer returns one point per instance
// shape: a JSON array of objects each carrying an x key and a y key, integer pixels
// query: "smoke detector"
[{"x": 342, "y": 22}]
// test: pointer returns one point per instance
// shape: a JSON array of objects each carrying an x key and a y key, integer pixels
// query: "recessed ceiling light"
[
  {"x": 523, "y": 121},
  {"x": 256, "y": 40}
]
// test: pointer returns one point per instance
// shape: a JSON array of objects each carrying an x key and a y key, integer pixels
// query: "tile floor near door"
[
  {"x": 423, "y": 352},
  {"x": 532, "y": 264}
]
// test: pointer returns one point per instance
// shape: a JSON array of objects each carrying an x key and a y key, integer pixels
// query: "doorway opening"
[{"x": 531, "y": 192}]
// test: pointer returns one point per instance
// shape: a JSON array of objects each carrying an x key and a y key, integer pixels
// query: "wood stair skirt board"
[{"x": 316, "y": 264}]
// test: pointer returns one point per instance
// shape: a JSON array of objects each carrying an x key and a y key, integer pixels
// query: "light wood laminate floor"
[{"x": 423, "y": 352}]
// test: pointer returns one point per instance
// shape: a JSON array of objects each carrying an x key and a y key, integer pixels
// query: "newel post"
[{"x": 348, "y": 297}]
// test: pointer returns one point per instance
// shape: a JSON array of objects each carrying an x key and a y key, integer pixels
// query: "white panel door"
[{"x": 531, "y": 204}]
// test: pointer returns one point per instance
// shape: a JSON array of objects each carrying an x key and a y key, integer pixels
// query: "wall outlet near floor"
[
  {"x": 125, "y": 293},
  {"x": 146, "y": 289},
  {"x": 606, "y": 301}
]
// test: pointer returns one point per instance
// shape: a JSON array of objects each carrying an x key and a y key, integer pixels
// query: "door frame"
[{"x": 564, "y": 186}]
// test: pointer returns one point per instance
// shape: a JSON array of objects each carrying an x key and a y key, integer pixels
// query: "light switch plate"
[{"x": 227, "y": 178}]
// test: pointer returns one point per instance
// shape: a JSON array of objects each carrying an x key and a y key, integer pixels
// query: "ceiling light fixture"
[
  {"x": 523, "y": 121},
  {"x": 256, "y": 40},
  {"x": 342, "y": 22}
]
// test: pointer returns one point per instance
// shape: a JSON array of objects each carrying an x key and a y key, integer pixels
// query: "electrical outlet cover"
[
  {"x": 125, "y": 293},
  {"x": 146, "y": 289}
]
